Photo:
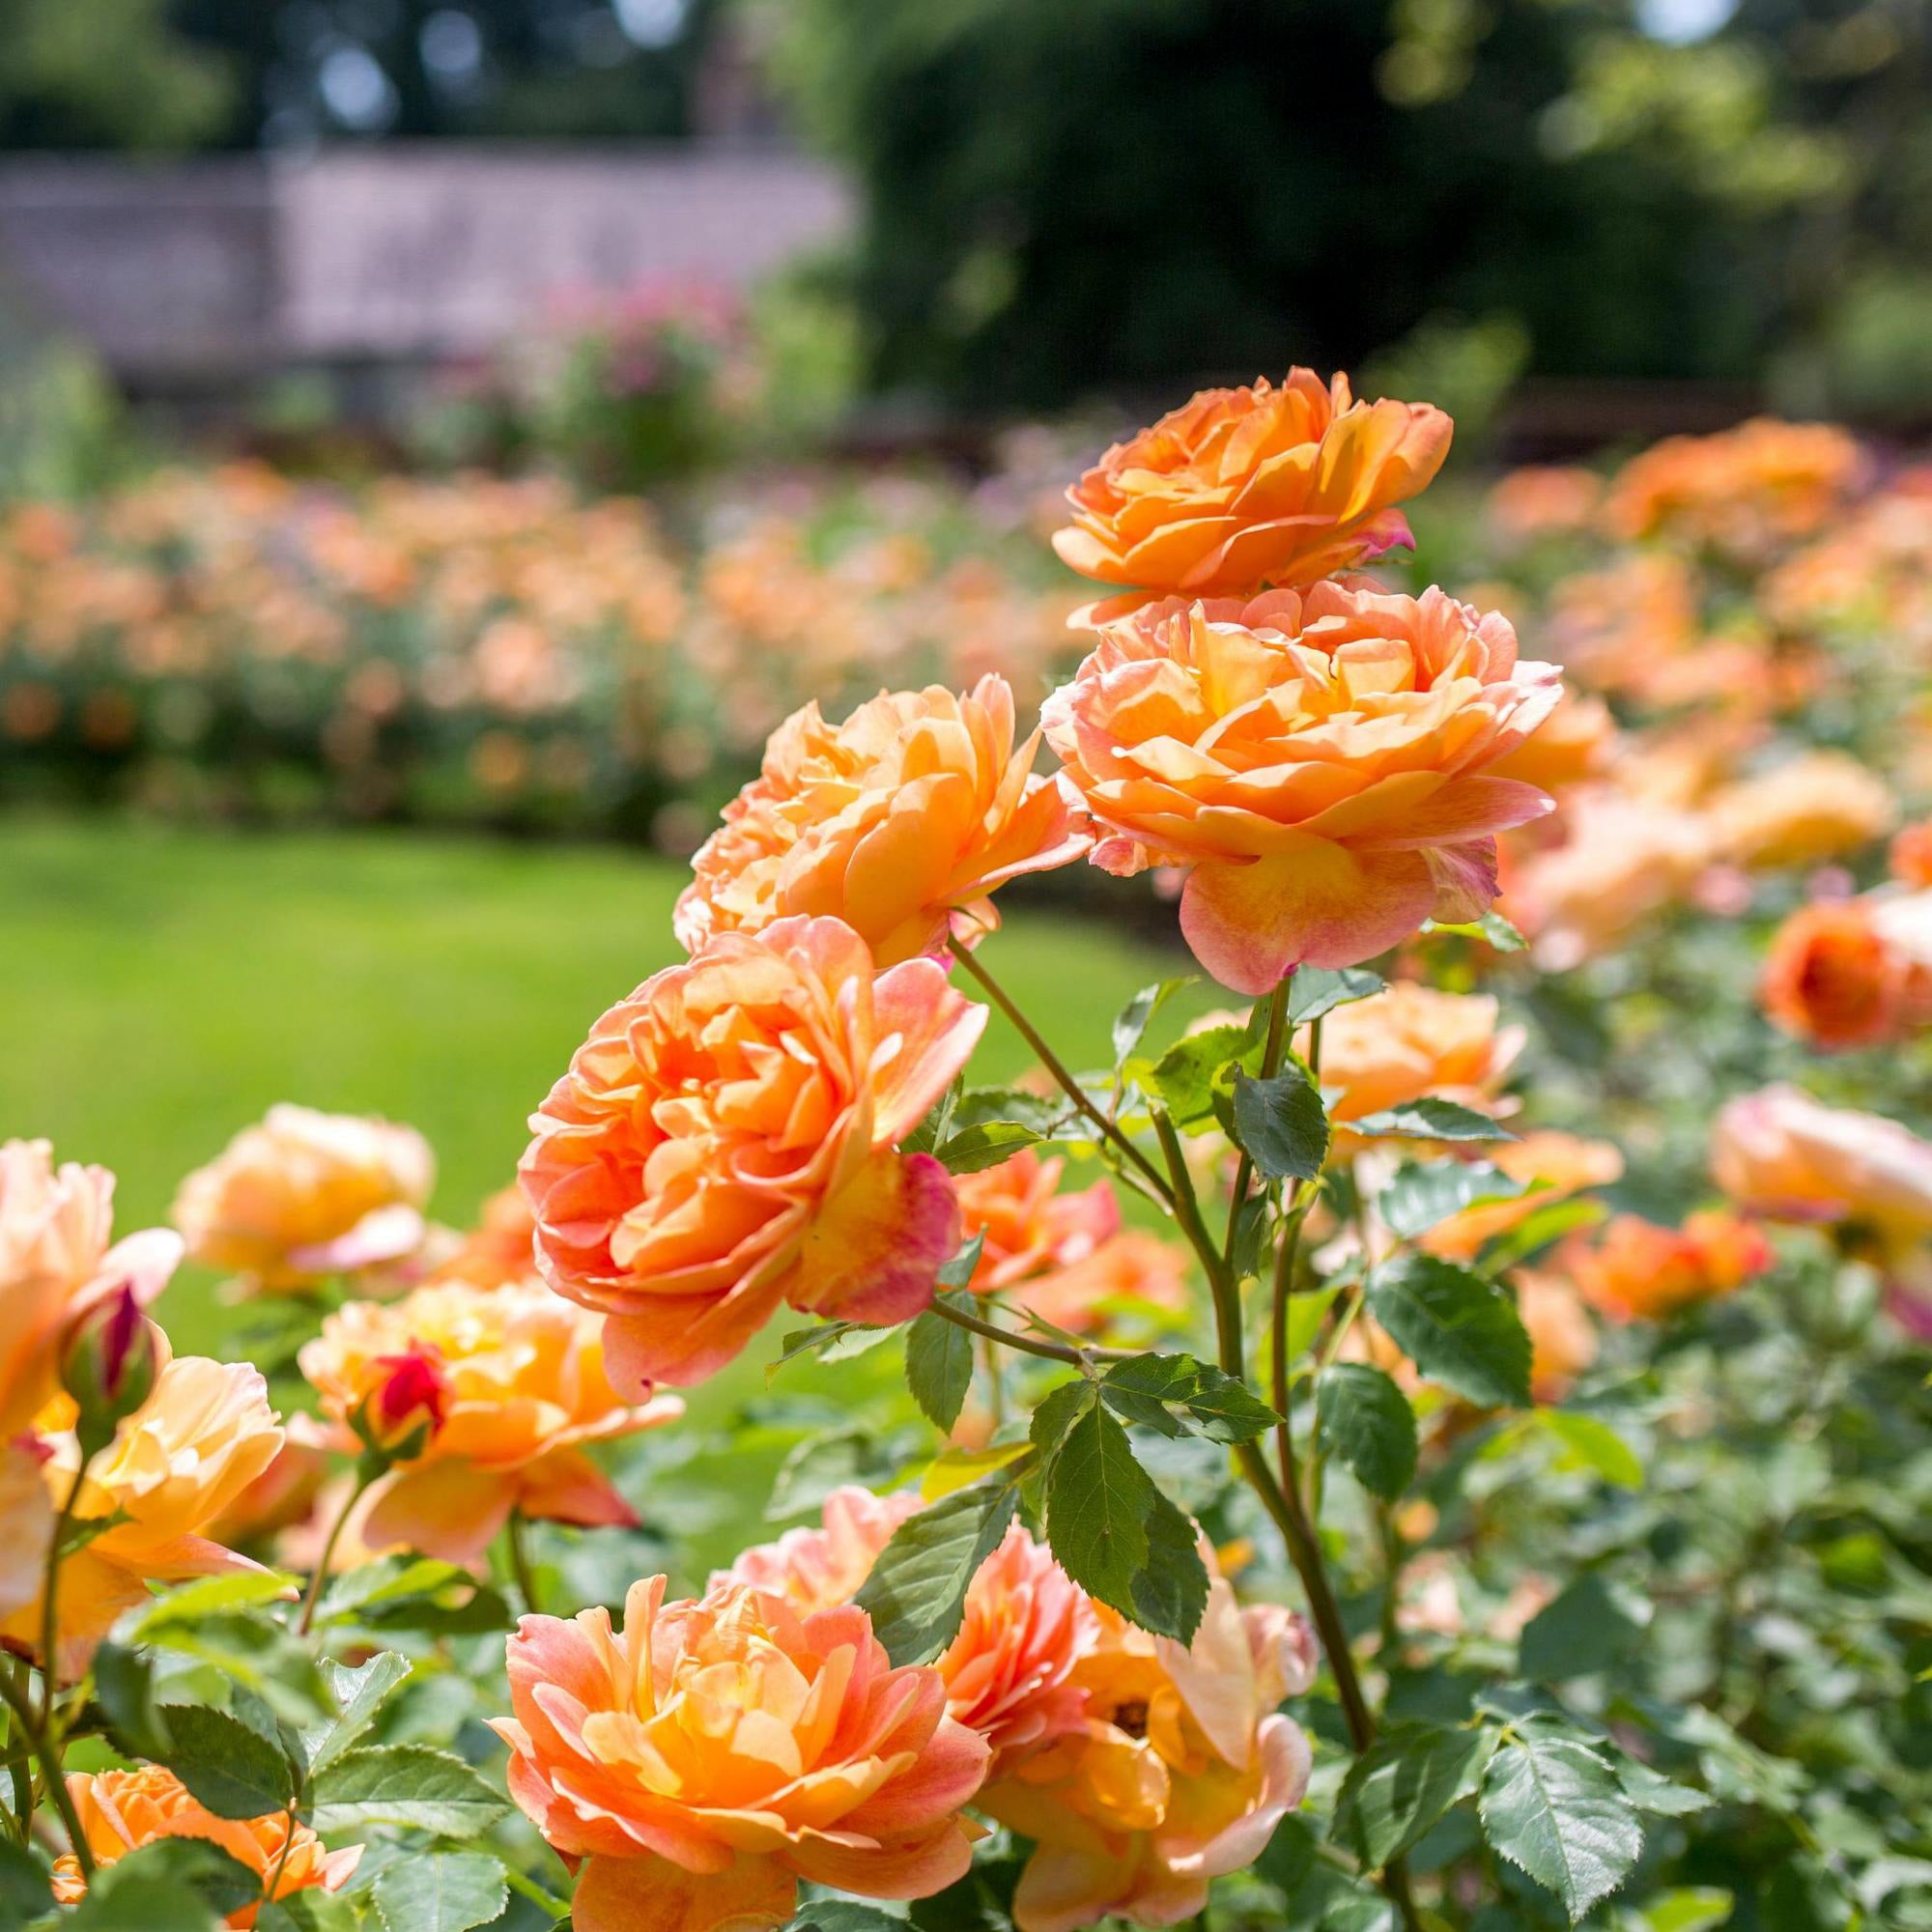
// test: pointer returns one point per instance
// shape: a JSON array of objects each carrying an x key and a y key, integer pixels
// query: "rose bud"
[
  {"x": 108, "y": 1366},
  {"x": 404, "y": 1408}
]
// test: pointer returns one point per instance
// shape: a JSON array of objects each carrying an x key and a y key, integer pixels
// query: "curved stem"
[
  {"x": 1028, "y": 1344},
  {"x": 17, "y": 1701},
  {"x": 520, "y": 1562},
  {"x": 317, "y": 1582},
  {"x": 1057, "y": 1068}
]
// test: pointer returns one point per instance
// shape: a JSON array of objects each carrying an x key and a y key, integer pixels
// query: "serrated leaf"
[
  {"x": 1281, "y": 1125},
  {"x": 916, "y": 1593},
  {"x": 1178, "y": 1393},
  {"x": 26, "y": 1884},
  {"x": 844, "y": 1915},
  {"x": 445, "y": 1891},
  {"x": 405, "y": 1784},
  {"x": 974, "y": 1149},
  {"x": 1043, "y": 1113},
  {"x": 206, "y": 1596},
  {"x": 821, "y": 1464},
  {"x": 1584, "y": 1628},
  {"x": 358, "y": 1695},
  {"x": 1315, "y": 990},
  {"x": 1056, "y": 1413},
  {"x": 1591, "y": 1442},
  {"x": 830, "y": 1341},
  {"x": 1367, "y": 1424},
  {"x": 939, "y": 1363},
  {"x": 1402, "y": 1783},
  {"x": 1429, "y": 1119},
  {"x": 142, "y": 1891},
  {"x": 959, "y": 1270},
  {"x": 1651, "y": 1791},
  {"x": 230, "y": 1767},
  {"x": 1457, "y": 1328},
  {"x": 1106, "y": 1523},
  {"x": 1187, "y": 1074},
  {"x": 123, "y": 1687},
  {"x": 1554, "y": 1808},
  {"x": 1422, "y": 1195}
]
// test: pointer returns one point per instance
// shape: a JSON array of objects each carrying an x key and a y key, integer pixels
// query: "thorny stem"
[
  {"x": 49, "y": 1753},
  {"x": 1057, "y": 1068},
  {"x": 317, "y": 1582}
]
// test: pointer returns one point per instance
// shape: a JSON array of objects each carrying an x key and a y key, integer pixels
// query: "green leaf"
[
  {"x": 1697, "y": 1908},
  {"x": 1423, "y": 1195},
  {"x": 939, "y": 1363},
  {"x": 1458, "y": 1328},
  {"x": 1594, "y": 1445},
  {"x": 1281, "y": 1124},
  {"x": 1131, "y": 1022},
  {"x": 357, "y": 1695},
  {"x": 1107, "y": 1525},
  {"x": 230, "y": 1767},
  {"x": 831, "y": 1342},
  {"x": 145, "y": 1890},
  {"x": 1492, "y": 930},
  {"x": 917, "y": 1591},
  {"x": 1586, "y": 1628},
  {"x": 446, "y": 1891},
  {"x": 405, "y": 1784},
  {"x": 1651, "y": 1791},
  {"x": 823, "y": 1463},
  {"x": 1306, "y": 1313},
  {"x": 959, "y": 1271},
  {"x": 1056, "y": 1413},
  {"x": 1366, "y": 1423},
  {"x": 1554, "y": 1808},
  {"x": 1186, "y": 1077},
  {"x": 1315, "y": 990},
  {"x": 844, "y": 1915},
  {"x": 420, "y": 1593},
  {"x": 244, "y": 1590},
  {"x": 1429, "y": 1119},
  {"x": 1045, "y": 1114},
  {"x": 1541, "y": 1228},
  {"x": 984, "y": 1145},
  {"x": 1402, "y": 1783},
  {"x": 1177, "y": 1394},
  {"x": 123, "y": 1687},
  {"x": 26, "y": 1884}
]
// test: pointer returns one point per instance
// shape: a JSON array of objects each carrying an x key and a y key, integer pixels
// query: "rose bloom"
[
  {"x": 1574, "y": 745},
  {"x": 1743, "y": 486},
  {"x": 304, "y": 1195},
  {"x": 205, "y": 1433},
  {"x": 122, "y": 1810},
  {"x": 1562, "y": 1337},
  {"x": 1031, "y": 1226},
  {"x": 520, "y": 1395},
  {"x": 1780, "y": 1154},
  {"x": 1129, "y": 1273},
  {"x": 1637, "y": 1272},
  {"x": 1178, "y": 1773},
  {"x": 1241, "y": 487},
  {"x": 715, "y": 1752},
  {"x": 1910, "y": 858},
  {"x": 1411, "y": 1041},
  {"x": 1553, "y": 1166},
  {"x": 56, "y": 1263},
  {"x": 1026, "y": 1623},
  {"x": 1543, "y": 501},
  {"x": 284, "y": 1494},
  {"x": 1834, "y": 980},
  {"x": 724, "y": 1142},
  {"x": 1815, "y": 806},
  {"x": 902, "y": 821},
  {"x": 501, "y": 1249},
  {"x": 1318, "y": 761}
]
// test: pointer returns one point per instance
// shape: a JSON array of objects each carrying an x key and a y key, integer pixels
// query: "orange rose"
[
  {"x": 1242, "y": 488},
  {"x": 1744, "y": 486},
  {"x": 1551, "y": 1165},
  {"x": 122, "y": 1810},
  {"x": 176, "y": 1465},
  {"x": 1572, "y": 745},
  {"x": 1815, "y": 806},
  {"x": 1318, "y": 761},
  {"x": 1178, "y": 1773},
  {"x": 717, "y": 1752},
  {"x": 822, "y": 1565},
  {"x": 1411, "y": 1041},
  {"x": 1832, "y": 979},
  {"x": 1539, "y": 503},
  {"x": 1910, "y": 858},
  {"x": 501, "y": 1247},
  {"x": 725, "y": 1139},
  {"x": 519, "y": 1395},
  {"x": 1131, "y": 1272},
  {"x": 1562, "y": 1337},
  {"x": 26, "y": 1523},
  {"x": 56, "y": 1264},
  {"x": 901, "y": 821},
  {"x": 1637, "y": 1272},
  {"x": 304, "y": 1195},
  {"x": 1030, "y": 1226}
]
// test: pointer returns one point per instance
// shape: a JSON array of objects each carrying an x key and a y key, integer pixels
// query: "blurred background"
[{"x": 430, "y": 419}]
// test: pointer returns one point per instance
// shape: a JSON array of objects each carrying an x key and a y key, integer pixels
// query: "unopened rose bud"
[
  {"x": 108, "y": 1366},
  {"x": 405, "y": 1408}
]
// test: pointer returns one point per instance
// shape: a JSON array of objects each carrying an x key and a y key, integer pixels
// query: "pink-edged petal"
[
  {"x": 1465, "y": 808},
  {"x": 682, "y": 1339},
  {"x": 933, "y": 1029},
  {"x": 877, "y": 1246},
  {"x": 450, "y": 1510},
  {"x": 385, "y": 1234},
  {"x": 650, "y": 1894},
  {"x": 950, "y": 1770},
  {"x": 867, "y": 1870}
]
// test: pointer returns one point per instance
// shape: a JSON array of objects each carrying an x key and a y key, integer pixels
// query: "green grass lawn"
[{"x": 159, "y": 989}]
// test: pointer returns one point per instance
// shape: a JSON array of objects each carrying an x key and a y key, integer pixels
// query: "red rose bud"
[
  {"x": 108, "y": 1366},
  {"x": 406, "y": 1406}
]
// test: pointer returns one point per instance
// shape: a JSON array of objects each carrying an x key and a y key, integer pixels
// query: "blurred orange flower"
[
  {"x": 122, "y": 1810},
  {"x": 501, "y": 1249},
  {"x": 1745, "y": 487},
  {"x": 1562, "y": 1337},
  {"x": 1814, "y": 807},
  {"x": 1835, "y": 979},
  {"x": 724, "y": 1140},
  {"x": 1242, "y": 488},
  {"x": 1552, "y": 1165},
  {"x": 1320, "y": 761},
  {"x": 1637, "y": 1272},
  {"x": 1910, "y": 858},
  {"x": 715, "y": 1752},
  {"x": 902, "y": 821},
  {"x": 1030, "y": 1225},
  {"x": 1411, "y": 1040},
  {"x": 1130, "y": 1273}
]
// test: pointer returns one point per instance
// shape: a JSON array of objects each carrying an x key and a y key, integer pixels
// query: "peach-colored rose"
[
  {"x": 122, "y": 1810},
  {"x": 301, "y": 1196},
  {"x": 205, "y": 1433},
  {"x": 822, "y": 1565},
  {"x": 56, "y": 1263},
  {"x": 1562, "y": 1337},
  {"x": 902, "y": 821},
  {"x": 1744, "y": 486},
  {"x": 517, "y": 1397},
  {"x": 1574, "y": 745},
  {"x": 1178, "y": 1773},
  {"x": 1539, "y": 503},
  {"x": 1129, "y": 1273},
  {"x": 1780, "y": 1154},
  {"x": 1319, "y": 761},
  {"x": 1551, "y": 1165},
  {"x": 1030, "y": 1225},
  {"x": 1411, "y": 1041},
  {"x": 501, "y": 1249},
  {"x": 1241, "y": 487},
  {"x": 724, "y": 1140},
  {"x": 1637, "y": 1272},
  {"x": 1815, "y": 806},
  {"x": 715, "y": 1752},
  {"x": 284, "y": 1494},
  {"x": 1834, "y": 980}
]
